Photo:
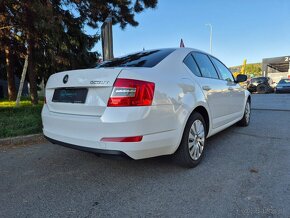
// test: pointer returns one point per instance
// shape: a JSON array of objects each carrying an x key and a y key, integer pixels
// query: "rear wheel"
[
  {"x": 190, "y": 151},
  {"x": 245, "y": 121},
  {"x": 262, "y": 89}
]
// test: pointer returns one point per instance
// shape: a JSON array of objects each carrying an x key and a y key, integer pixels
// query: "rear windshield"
[
  {"x": 140, "y": 59},
  {"x": 284, "y": 81},
  {"x": 259, "y": 79}
]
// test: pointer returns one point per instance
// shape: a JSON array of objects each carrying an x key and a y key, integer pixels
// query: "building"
[{"x": 276, "y": 68}]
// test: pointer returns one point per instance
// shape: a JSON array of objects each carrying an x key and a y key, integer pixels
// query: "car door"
[
  {"x": 214, "y": 89},
  {"x": 236, "y": 93}
]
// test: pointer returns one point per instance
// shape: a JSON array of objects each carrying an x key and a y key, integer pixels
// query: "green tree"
[
  {"x": 243, "y": 70},
  {"x": 52, "y": 33},
  {"x": 254, "y": 69}
]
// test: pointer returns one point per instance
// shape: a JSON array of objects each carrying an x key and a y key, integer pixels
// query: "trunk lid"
[{"x": 81, "y": 92}]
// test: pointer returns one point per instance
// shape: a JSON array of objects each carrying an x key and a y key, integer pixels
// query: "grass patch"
[
  {"x": 23, "y": 120},
  {"x": 23, "y": 102}
]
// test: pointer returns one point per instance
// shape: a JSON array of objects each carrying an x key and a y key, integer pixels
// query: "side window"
[
  {"x": 223, "y": 70},
  {"x": 190, "y": 63},
  {"x": 206, "y": 67}
]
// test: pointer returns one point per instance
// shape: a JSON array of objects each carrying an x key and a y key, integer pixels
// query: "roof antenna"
[{"x": 181, "y": 44}]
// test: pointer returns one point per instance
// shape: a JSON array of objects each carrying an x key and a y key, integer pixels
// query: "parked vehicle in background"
[
  {"x": 283, "y": 86},
  {"x": 261, "y": 85},
  {"x": 146, "y": 104}
]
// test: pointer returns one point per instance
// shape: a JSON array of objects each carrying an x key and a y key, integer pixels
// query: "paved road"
[
  {"x": 271, "y": 101},
  {"x": 246, "y": 171}
]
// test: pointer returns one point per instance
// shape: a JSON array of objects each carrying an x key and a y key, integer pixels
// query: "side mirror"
[{"x": 241, "y": 78}]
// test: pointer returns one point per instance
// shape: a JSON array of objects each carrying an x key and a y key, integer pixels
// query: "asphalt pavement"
[{"x": 245, "y": 172}]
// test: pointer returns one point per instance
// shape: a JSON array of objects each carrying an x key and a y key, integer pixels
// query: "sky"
[{"x": 242, "y": 29}]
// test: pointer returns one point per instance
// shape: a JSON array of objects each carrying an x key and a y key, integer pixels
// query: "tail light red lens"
[
  {"x": 123, "y": 139},
  {"x": 130, "y": 92}
]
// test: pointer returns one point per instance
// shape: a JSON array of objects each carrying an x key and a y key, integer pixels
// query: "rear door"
[{"x": 214, "y": 89}]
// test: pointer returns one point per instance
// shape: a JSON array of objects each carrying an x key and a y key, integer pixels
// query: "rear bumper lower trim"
[{"x": 87, "y": 149}]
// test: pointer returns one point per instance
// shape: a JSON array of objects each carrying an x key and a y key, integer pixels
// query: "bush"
[{"x": 23, "y": 120}]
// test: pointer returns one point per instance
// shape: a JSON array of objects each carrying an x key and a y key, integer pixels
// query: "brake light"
[
  {"x": 130, "y": 92},
  {"x": 123, "y": 139}
]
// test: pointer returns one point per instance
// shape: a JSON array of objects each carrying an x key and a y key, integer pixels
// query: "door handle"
[
  {"x": 206, "y": 88},
  {"x": 231, "y": 88}
]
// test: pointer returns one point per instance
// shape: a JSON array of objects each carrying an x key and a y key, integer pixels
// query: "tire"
[
  {"x": 245, "y": 121},
  {"x": 262, "y": 89},
  {"x": 191, "y": 148}
]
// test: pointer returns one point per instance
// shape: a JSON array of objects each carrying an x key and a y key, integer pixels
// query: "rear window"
[
  {"x": 190, "y": 63},
  {"x": 140, "y": 59},
  {"x": 284, "y": 81},
  {"x": 259, "y": 80},
  {"x": 205, "y": 65}
]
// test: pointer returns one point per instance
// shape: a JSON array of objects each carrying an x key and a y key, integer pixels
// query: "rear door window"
[
  {"x": 205, "y": 65},
  {"x": 191, "y": 64},
  {"x": 140, "y": 59}
]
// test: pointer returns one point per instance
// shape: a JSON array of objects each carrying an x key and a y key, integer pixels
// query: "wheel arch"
[
  {"x": 247, "y": 97},
  {"x": 205, "y": 114},
  {"x": 250, "y": 99}
]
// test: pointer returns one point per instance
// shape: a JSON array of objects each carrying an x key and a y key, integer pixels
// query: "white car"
[{"x": 146, "y": 104}]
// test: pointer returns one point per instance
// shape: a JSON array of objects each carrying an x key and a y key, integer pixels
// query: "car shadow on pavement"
[{"x": 161, "y": 163}]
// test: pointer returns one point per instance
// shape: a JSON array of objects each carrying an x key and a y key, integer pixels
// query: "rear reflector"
[
  {"x": 123, "y": 139},
  {"x": 130, "y": 92}
]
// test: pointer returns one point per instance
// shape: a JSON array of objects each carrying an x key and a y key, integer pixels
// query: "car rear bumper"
[
  {"x": 81, "y": 148},
  {"x": 86, "y": 132},
  {"x": 283, "y": 90}
]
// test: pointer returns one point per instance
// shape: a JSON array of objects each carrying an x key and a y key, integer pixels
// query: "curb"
[
  {"x": 22, "y": 140},
  {"x": 270, "y": 109}
]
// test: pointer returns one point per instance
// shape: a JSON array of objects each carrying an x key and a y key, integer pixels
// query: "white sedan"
[{"x": 146, "y": 104}]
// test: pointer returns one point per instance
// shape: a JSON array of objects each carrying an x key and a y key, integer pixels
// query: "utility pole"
[
  {"x": 107, "y": 39},
  {"x": 210, "y": 37}
]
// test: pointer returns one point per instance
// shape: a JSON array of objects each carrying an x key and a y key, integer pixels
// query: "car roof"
[
  {"x": 184, "y": 49},
  {"x": 177, "y": 54},
  {"x": 261, "y": 77}
]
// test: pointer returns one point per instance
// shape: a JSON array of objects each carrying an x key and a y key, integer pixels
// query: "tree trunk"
[
  {"x": 23, "y": 75},
  {"x": 30, "y": 52},
  {"x": 10, "y": 74},
  {"x": 32, "y": 72}
]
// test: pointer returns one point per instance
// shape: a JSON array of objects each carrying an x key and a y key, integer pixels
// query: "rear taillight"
[{"x": 130, "y": 92}]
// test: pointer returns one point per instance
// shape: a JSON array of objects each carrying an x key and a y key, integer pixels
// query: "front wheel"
[
  {"x": 245, "y": 121},
  {"x": 190, "y": 151}
]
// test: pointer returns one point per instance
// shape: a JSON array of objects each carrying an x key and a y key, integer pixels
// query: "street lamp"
[{"x": 210, "y": 37}]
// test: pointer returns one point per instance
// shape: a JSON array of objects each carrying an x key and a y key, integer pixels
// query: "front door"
[{"x": 236, "y": 92}]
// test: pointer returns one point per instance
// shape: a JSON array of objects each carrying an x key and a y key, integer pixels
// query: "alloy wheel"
[{"x": 196, "y": 139}]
